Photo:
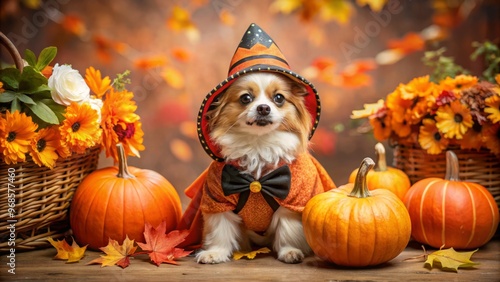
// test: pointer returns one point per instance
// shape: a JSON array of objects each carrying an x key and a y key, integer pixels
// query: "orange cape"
[{"x": 308, "y": 179}]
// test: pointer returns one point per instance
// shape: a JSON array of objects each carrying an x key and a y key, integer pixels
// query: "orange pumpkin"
[
  {"x": 451, "y": 213},
  {"x": 353, "y": 226},
  {"x": 385, "y": 177},
  {"x": 114, "y": 202}
]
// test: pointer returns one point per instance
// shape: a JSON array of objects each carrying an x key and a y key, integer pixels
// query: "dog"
[{"x": 259, "y": 123}]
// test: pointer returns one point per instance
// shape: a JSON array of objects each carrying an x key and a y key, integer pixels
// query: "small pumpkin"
[
  {"x": 451, "y": 213},
  {"x": 114, "y": 202},
  {"x": 353, "y": 226},
  {"x": 384, "y": 176}
]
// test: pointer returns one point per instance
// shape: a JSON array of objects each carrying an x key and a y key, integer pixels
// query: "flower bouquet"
[
  {"x": 53, "y": 125},
  {"x": 447, "y": 110}
]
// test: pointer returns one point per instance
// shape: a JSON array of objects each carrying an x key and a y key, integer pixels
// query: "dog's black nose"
[{"x": 263, "y": 109}]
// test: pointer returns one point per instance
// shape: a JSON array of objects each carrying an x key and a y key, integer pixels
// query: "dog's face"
[{"x": 260, "y": 104}]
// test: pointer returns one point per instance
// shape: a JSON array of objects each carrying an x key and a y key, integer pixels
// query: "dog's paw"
[
  {"x": 212, "y": 257},
  {"x": 290, "y": 255}
]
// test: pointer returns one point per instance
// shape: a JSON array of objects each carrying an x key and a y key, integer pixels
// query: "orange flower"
[
  {"x": 381, "y": 124},
  {"x": 121, "y": 124},
  {"x": 454, "y": 119},
  {"x": 44, "y": 146},
  {"x": 80, "y": 129},
  {"x": 491, "y": 137},
  {"x": 96, "y": 83},
  {"x": 1, "y": 87},
  {"x": 473, "y": 138},
  {"x": 458, "y": 83},
  {"x": 16, "y": 132},
  {"x": 493, "y": 108},
  {"x": 430, "y": 139}
]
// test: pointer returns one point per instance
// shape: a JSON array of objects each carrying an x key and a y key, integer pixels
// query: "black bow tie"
[{"x": 275, "y": 184}]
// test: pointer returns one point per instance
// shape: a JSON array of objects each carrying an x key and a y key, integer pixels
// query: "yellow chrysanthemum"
[
  {"x": 430, "y": 139},
  {"x": 16, "y": 132},
  {"x": 44, "y": 146},
  {"x": 121, "y": 124},
  {"x": 96, "y": 83},
  {"x": 491, "y": 137},
  {"x": 453, "y": 119},
  {"x": 394, "y": 100},
  {"x": 381, "y": 127},
  {"x": 493, "y": 108},
  {"x": 459, "y": 82},
  {"x": 80, "y": 129}
]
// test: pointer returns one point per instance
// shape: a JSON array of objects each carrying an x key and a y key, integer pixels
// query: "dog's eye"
[
  {"x": 246, "y": 98},
  {"x": 279, "y": 99}
]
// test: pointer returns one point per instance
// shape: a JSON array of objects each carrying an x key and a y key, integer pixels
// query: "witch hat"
[{"x": 256, "y": 52}]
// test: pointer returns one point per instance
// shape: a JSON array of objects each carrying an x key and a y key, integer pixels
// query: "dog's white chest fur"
[{"x": 255, "y": 153}]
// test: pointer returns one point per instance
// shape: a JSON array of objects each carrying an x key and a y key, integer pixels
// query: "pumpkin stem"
[
  {"x": 381, "y": 164},
  {"x": 452, "y": 171},
  {"x": 360, "y": 189},
  {"x": 122, "y": 163}
]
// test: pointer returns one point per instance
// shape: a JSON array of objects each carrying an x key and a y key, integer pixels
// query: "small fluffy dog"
[{"x": 258, "y": 123}]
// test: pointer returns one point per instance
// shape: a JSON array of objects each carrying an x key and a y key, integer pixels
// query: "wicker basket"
[
  {"x": 481, "y": 166},
  {"x": 42, "y": 198}
]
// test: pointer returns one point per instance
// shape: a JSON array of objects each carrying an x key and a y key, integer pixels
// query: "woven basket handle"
[{"x": 13, "y": 51}]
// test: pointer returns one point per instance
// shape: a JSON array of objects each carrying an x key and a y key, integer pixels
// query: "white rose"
[
  {"x": 96, "y": 104},
  {"x": 68, "y": 86}
]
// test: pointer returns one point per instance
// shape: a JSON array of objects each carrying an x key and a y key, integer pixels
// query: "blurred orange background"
[{"x": 178, "y": 51}]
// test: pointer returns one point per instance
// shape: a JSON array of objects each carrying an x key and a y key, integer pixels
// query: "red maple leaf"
[{"x": 161, "y": 247}]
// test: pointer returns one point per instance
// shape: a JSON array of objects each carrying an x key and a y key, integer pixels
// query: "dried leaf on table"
[
  {"x": 73, "y": 253},
  {"x": 450, "y": 259},
  {"x": 116, "y": 254},
  {"x": 250, "y": 255},
  {"x": 161, "y": 247}
]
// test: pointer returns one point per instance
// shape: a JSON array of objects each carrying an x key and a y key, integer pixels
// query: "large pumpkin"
[
  {"x": 384, "y": 176},
  {"x": 353, "y": 226},
  {"x": 114, "y": 202},
  {"x": 451, "y": 213}
]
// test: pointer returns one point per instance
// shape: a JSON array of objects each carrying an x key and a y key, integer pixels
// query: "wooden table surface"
[{"x": 39, "y": 266}]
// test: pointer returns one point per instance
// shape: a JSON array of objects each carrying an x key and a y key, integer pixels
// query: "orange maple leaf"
[
  {"x": 181, "y": 54},
  {"x": 116, "y": 254},
  {"x": 106, "y": 46},
  {"x": 96, "y": 83},
  {"x": 73, "y": 253},
  {"x": 74, "y": 24},
  {"x": 354, "y": 75},
  {"x": 410, "y": 43},
  {"x": 150, "y": 62},
  {"x": 160, "y": 246}
]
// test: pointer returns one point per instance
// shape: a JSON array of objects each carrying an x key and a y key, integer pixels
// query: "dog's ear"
[{"x": 298, "y": 89}]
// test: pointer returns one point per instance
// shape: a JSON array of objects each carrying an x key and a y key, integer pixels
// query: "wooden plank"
[{"x": 39, "y": 266}]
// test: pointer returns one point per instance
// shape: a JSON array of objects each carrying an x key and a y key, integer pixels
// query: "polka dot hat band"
[{"x": 256, "y": 52}]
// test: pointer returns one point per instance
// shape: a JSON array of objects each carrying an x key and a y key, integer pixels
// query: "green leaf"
[
  {"x": 15, "y": 106},
  {"x": 46, "y": 56},
  {"x": 41, "y": 90},
  {"x": 30, "y": 57},
  {"x": 56, "y": 108},
  {"x": 44, "y": 112},
  {"x": 451, "y": 259},
  {"x": 25, "y": 99},
  {"x": 31, "y": 79},
  {"x": 7, "y": 97},
  {"x": 10, "y": 78}
]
